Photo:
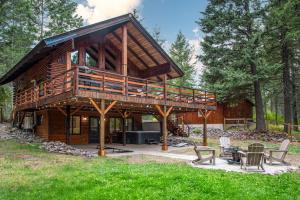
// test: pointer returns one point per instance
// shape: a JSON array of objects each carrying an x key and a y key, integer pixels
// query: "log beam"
[{"x": 157, "y": 70}]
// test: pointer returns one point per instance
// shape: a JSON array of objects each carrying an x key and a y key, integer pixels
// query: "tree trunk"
[
  {"x": 276, "y": 110},
  {"x": 287, "y": 88},
  {"x": 259, "y": 107},
  {"x": 294, "y": 91}
]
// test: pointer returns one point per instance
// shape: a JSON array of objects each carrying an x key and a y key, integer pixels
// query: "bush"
[{"x": 197, "y": 131}]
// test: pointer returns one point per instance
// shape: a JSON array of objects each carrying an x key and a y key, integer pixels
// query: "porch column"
[
  {"x": 164, "y": 114},
  {"x": 102, "y": 111},
  {"x": 124, "y": 117},
  {"x": 205, "y": 114},
  {"x": 68, "y": 122},
  {"x": 124, "y": 58},
  {"x": 102, "y": 130},
  {"x": 101, "y": 54},
  {"x": 67, "y": 77},
  {"x": 165, "y": 131},
  {"x": 81, "y": 56}
]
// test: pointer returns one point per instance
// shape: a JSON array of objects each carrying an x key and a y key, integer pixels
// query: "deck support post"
[
  {"x": 205, "y": 114},
  {"x": 102, "y": 111},
  {"x": 68, "y": 122},
  {"x": 124, "y": 117},
  {"x": 102, "y": 130},
  {"x": 164, "y": 114}
]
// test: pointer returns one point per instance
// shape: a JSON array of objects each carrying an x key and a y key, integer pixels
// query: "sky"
[{"x": 171, "y": 16}]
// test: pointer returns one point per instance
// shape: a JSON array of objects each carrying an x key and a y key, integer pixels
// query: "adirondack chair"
[
  {"x": 201, "y": 159},
  {"x": 253, "y": 157},
  {"x": 224, "y": 146},
  {"x": 277, "y": 154}
]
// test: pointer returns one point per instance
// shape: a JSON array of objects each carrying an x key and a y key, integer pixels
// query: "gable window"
[
  {"x": 75, "y": 122},
  {"x": 74, "y": 57},
  {"x": 90, "y": 61}
]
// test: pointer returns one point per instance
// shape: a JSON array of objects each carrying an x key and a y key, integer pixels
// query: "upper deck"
[{"x": 84, "y": 83}]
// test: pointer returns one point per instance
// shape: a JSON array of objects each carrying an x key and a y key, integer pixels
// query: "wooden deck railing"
[{"x": 94, "y": 80}]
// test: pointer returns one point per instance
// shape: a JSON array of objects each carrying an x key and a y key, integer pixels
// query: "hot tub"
[{"x": 142, "y": 137}]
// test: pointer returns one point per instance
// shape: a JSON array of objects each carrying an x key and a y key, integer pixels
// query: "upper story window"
[
  {"x": 74, "y": 57},
  {"x": 90, "y": 61}
]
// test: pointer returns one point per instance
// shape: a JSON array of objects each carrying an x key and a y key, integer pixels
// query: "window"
[
  {"x": 115, "y": 125},
  {"x": 75, "y": 125},
  {"x": 149, "y": 118},
  {"x": 129, "y": 124},
  {"x": 39, "y": 120},
  {"x": 90, "y": 61},
  {"x": 74, "y": 57},
  {"x": 41, "y": 89}
]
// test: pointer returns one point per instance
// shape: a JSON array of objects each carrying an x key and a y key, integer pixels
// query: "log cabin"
[{"x": 87, "y": 85}]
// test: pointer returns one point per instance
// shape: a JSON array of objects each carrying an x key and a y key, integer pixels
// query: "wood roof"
[{"x": 143, "y": 50}]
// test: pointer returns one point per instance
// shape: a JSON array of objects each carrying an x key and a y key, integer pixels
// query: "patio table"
[{"x": 236, "y": 156}]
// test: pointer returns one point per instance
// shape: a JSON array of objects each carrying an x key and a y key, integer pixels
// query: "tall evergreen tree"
[
  {"x": 21, "y": 28},
  {"x": 181, "y": 52},
  {"x": 232, "y": 51},
  {"x": 283, "y": 34},
  {"x": 56, "y": 16}
]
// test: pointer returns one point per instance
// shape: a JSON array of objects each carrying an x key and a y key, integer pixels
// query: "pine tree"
[
  {"x": 56, "y": 16},
  {"x": 181, "y": 52},
  {"x": 283, "y": 34},
  {"x": 233, "y": 52}
]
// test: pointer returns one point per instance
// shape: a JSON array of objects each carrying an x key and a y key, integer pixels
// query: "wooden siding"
[
  {"x": 216, "y": 117},
  {"x": 42, "y": 130},
  {"x": 242, "y": 109},
  {"x": 53, "y": 127}
]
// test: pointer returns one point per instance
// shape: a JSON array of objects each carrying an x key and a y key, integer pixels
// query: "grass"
[{"x": 26, "y": 172}]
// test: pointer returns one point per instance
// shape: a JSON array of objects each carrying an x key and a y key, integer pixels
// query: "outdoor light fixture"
[{"x": 84, "y": 118}]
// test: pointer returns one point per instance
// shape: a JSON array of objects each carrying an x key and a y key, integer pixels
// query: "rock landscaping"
[
  {"x": 26, "y": 137},
  {"x": 244, "y": 135}
]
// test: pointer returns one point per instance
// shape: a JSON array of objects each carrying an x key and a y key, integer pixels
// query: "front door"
[{"x": 94, "y": 130}]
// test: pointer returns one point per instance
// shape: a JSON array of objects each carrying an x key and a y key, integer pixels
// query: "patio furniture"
[
  {"x": 211, "y": 157},
  {"x": 225, "y": 147},
  {"x": 253, "y": 157},
  {"x": 236, "y": 156},
  {"x": 278, "y": 155}
]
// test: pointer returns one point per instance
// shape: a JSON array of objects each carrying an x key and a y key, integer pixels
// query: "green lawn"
[{"x": 26, "y": 172}]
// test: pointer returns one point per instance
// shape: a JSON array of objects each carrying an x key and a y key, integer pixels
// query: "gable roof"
[{"x": 47, "y": 45}]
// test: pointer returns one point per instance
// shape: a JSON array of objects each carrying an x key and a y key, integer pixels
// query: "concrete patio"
[{"x": 155, "y": 150}]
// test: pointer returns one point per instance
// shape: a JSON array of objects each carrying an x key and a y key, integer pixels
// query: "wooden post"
[
  {"x": 68, "y": 67},
  {"x": 76, "y": 81},
  {"x": 81, "y": 56},
  {"x": 165, "y": 87},
  {"x": 205, "y": 113},
  {"x": 101, "y": 54},
  {"x": 165, "y": 131},
  {"x": 101, "y": 151},
  {"x": 124, "y": 58},
  {"x": 164, "y": 114},
  {"x": 68, "y": 122},
  {"x": 102, "y": 111},
  {"x": 205, "y": 132}
]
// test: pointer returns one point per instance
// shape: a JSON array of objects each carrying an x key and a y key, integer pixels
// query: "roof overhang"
[{"x": 48, "y": 45}]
